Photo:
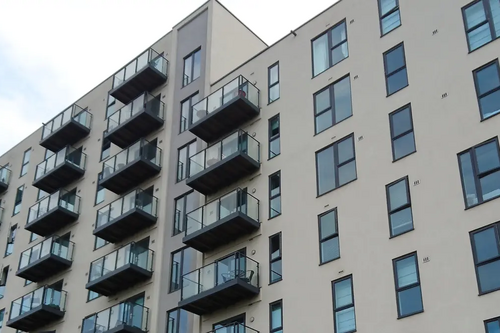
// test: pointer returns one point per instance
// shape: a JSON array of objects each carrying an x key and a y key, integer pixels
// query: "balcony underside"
[
  {"x": 3, "y": 187},
  {"x": 52, "y": 221},
  {"x": 130, "y": 176},
  {"x": 125, "y": 226},
  {"x": 135, "y": 128},
  {"x": 146, "y": 79},
  {"x": 223, "y": 173},
  {"x": 69, "y": 134},
  {"x": 59, "y": 177},
  {"x": 44, "y": 268},
  {"x": 118, "y": 280},
  {"x": 221, "y": 232},
  {"x": 125, "y": 329},
  {"x": 220, "y": 297},
  {"x": 36, "y": 318},
  {"x": 224, "y": 120}
]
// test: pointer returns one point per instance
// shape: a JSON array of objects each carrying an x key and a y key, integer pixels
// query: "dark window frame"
[
  {"x": 330, "y": 237},
  {"x": 410, "y": 286},
  {"x": 491, "y": 320},
  {"x": 11, "y": 238},
  {"x": 97, "y": 189},
  {"x": 330, "y": 46},
  {"x": 492, "y": 91},
  {"x": 488, "y": 20},
  {"x": 179, "y": 269},
  {"x": 389, "y": 13},
  {"x": 271, "y": 197},
  {"x": 271, "y": 85},
  {"x": 496, "y": 228},
  {"x": 272, "y": 138},
  {"x": 395, "y": 71},
  {"x": 345, "y": 307},
  {"x": 89, "y": 299},
  {"x": 279, "y": 258},
  {"x": 99, "y": 247},
  {"x": 111, "y": 101},
  {"x": 394, "y": 138},
  {"x": 189, "y": 100},
  {"x": 18, "y": 200},
  {"x": 280, "y": 328},
  {"x": 183, "y": 217},
  {"x": 191, "y": 57},
  {"x": 188, "y": 156},
  {"x": 403, "y": 207},
  {"x": 25, "y": 163},
  {"x": 105, "y": 147}
]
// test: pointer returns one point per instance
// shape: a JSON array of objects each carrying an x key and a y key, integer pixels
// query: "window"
[
  {"x": 184, "y": 153},
  {"x": 27, "y": 282},
  {"x": 92, "y": 295},
  {"x": 275, "y": 194},
  {"x": 487, "y": 81},
  {"x": 276, "y": 317},
  {"x": 10, "y": 240},
  {"x": 336, "y": 165},
  {"x": 480, "y": 172},
  {"x": 183, "y": 205},
  {"x": 486, "y": 250},
  {"x": 192, "y": 67},
  {"x": 41, "y": 194},
  {"x": 100, "y": 193},
  {"x": 186, "y": 106},
  {"x": 389, "y": 15},
  {"x": 332, "y": 104},
  {"x": 274, "y": 136},
  {"x": 273, "y": 74},
  {"x": 111, "y": 108},
  {"x": 19, "y": 200},
  {"x": 33, "y": 237},
  {"x": 231, "y": 325},
  {"x": 105, "y": 148},
  {"x": 407, "y": 280},
  {"x": 343, "y": 305},
  {"x": 48, "y": 153},
  {"x": 492, "y": 325},
  {"x": 329, "y": 248},
  {"x": 482, "y": 22},
  {"x": 26, "y": 161},
  {"x": 99, "y": 242},
  {"x": 330, "y": 48},
  {"x": 182, "y": 262},
  {"x": 275, "y": 272},
  {"x": 396, "y": 77},
  {"x": 179, "y": 321},
  {"x": 402, "y": 136},
  {"x": 3, "y": 281},
  {"x": 2, "y": 314},
  {"x": 399, "y": 207}
]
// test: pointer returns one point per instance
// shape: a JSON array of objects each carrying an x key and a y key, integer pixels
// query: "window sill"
[
  {"x": 394, "y": 236},
  {"x": 400, "y": 158},
  {"x": 409, "y": 315},
  {"x": 392, "y": 93},
  {"x": 322, "y": 194},
  {"x": 482, "y": 202},
  {"x": 329, "y": 261}
]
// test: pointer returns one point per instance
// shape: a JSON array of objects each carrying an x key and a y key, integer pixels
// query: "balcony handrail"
[
  {"x": 42, "y": 296},
  {"x": 125, "y": 315},
  {"x": 46, "y": 247},
  {"x": 149, "y": 56},
  {"x": 53, "y": 201},
  {"x": 67, "y": 154},
  {"x": 73, "y": 112},
  {"x": 237, "y": 330},
  {"x": 136, "y": 201},
  {"x": 5, "y": 174}
]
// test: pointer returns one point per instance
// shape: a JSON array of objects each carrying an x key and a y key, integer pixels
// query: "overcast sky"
[{"x": 54, "y": 51}]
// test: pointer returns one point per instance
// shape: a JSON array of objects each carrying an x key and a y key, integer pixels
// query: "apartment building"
[{"x": 345, "y": 178}]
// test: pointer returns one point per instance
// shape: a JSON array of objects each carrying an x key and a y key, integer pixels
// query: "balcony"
[
  {"x": 145, "y": 73},
  {"x": 60, "y": 169},
  {"x": 67, "y": 128},
  {"x": 120, "y": 269},
  {"x": 235, "y": 157},
  {"x": 235, "y": 327},
  {"x": 4, "y": 178},
  {"x": 126, "y": 216},
  {"x": 37, "y": 309},
  {"x": 135, "y": 120},
  {"x": 222, "y": 221},
  {"x": 225, "y": 110},
  {"x": 220, "y": 284},
  {"x": 126, "y": 317},
  {"x": 46, "y": 259},
  {"x": 130, "y": 167},
  {"x": 53, "y": 213}
]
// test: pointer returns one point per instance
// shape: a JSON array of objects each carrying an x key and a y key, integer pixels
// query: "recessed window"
[
  {"x": 192, "y": 67},
  {"x": 33, "y": 237},
  {"x": 105, "y": 148},
  {"x": 399, "y": 207},
  {"x": 336, "y": 165},
  {"x": 407, "y": 280},
  {"x": 482, "y": 22},
  {"x": 276, "y": 317},
  {"x": 184, "y": 153},
  {"x": 186, "y": 106},
  {"x": 275, "y": 259},
  {"x": 26, "y": 161},
  {"x": 92, "y": 295},
  {"x": 492, "y": 325},
  {"x": 486, "y": 250},
  {"x": 274, "y": 136},
  {"x": 178, "y": 321},
  {"x": 19, "y": 200},
  {"x": 273, "y": 73},
  {"x": 480, "y": 172},
  {"x": 111, "y": 107},
  {"x": 329, "y": 248},
  {"x": 99, "y": 242},
  {"x": 487, "y": 81},
  {"x": 182, "y": 262},
  {"x": 100, "y": 193},
  {"x": 332, "y": 104},
  {"x": 275, "y": 194},
  {"x": 389, "y": 15},
  {"x": 330, "y": 48},
  {"x": 343, "y": 305},
  {"x": 402, "y": 136},
  {"x": 183, "y": 205},
  {"x": 10, "y": 240},
  {"x": 396, "y": 77}
]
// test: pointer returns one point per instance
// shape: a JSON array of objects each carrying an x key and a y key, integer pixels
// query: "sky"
[{"x": 52, "y": 52}]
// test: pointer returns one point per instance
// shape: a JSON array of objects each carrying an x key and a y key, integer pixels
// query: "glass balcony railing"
[
  {"x": 239, "y": 141},
  {"x": 126, "y": 313},
  {"x": 234, "y": 328},
  {"x": 42, "y": 296},
  {"x": 68, "y": 154},
  {"x": 149, "y": 57},
  {"x": 55, "y": 245},
  {"x": 74, "y": 112},
  {"x": 62, "y": 198},
  {"x": 239, "y": 87},
  {"x": 235, "y": 201},
  {"x": 235, "y": 266},
  {"x": 4, "y": 175}
]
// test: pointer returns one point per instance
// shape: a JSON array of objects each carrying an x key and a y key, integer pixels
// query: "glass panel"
[
  {"x": 406, "y": 271},
  {"x": 276, "y": 271},
  {"x": 493, "y": 327},
  {"x": 343, "y": 293},
  {"x": 386, "y": 6},
  {"x": 274, "y": 92},
  {"x": 394, "y": 60},
  {"x": 328, "y": 225},
  {"x": 330, "y": 249},
  {"x": 274, "y": 147},
  {"x": 345, "y": 320},
  {"x": 487, "y": 79},
  {"x": 339, "y": 53},
  {"x": 320, "y": 54},
  {"x": 326, "y": 176},
  {"x": 410, "y": 301},
  {"x": 343, "y": 106},
  {"x": 397, "y": 81},
  {"x": 276, "y": 316},
  {"x": 401, "y": 221},
  {"x": 490, "y": 186},
  {"x": 347, "y": 173},
  {"x": 324, "y": 121},
  {"x": 479, "y": 36},
  {"x": 490, "y": 104},
  {"x": 468, "y": 179},
  {"x": 486, "y": 245},
  {"x": 398, "y": 195},
  {"x": 474, "y": 15},
  {"x": 487, "y": 157},
  {"x": 401, "y": 122},
  {"x": 196, "y": 65},
  {"x": 495, "y": 14},
  {"x": 142, "y": 61},
  {"x": 345, "y": 150},
  {"x": 391, "y": 22},
  {"x": 273, "y": 74},
  {"x": 322, "y": 100},
  {"x": 339, "y": 34},
  {"x": 404, "y": 146}
]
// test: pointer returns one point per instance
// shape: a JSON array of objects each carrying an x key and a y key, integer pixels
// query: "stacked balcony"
[
  {"x": 37, "y": 309},
  {"x": 142, "y": 116},
  {"x": 224, "y": 110},
  {"x": 121, "y": 269},
  {"x": 46, "y": 259},
  {"x": 145, "y": 73},
  {"x": 126, "y": 216},
  {"x": 220, "y": 284},
  {"x": 131, "y": 167},
  {"x": 222, "y": 221},
  {"x": 126, "y": 317},
  {"x": 67, "y": 128},
  {"x": 60, "y": 169},
  {"x": 53, "y": 213},
  {"x": 4, "y": 178}
]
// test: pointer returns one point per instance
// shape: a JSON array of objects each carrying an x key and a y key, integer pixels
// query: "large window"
[
  {"x": 19, "y": 200},
  {"x": 100, "y": 193},
  {"x": 399, "y": 207},
  {"x": 330, "y": 48},
  {"x": 111, "y": 106},
  {"x": 480, "y": 172},
  {"x": 10, "y": 240},
  {"x": 402, "y": 135},
  {"x": 186, "y": 106},
  {"x": 336, "y": 165},
  {"x": 99, "y": 242},
  {"x": 486, "y": 250},
  {"x": 492, "y": 325},
  {"x": 343, "y": 305},
  {"x": 276, "y": 317},
  {"x": 329, "y": 248},
  {"x": 192, "y": 67},
  {"x": 184, "y": 153},
  {"x": 390, "y": 18},
  {"x": 274, "y": 136},
  {"x": 182, "y": 262},
  {"x": 183, "y": 205},
  {"x": 396, "y": 76},
  {"x": 275, "y": 259},
  {"x": 105, "y": 148},
  {"x": 482, "y": 22},
  {"x": 275, "y": 194},
  {"x": 273, "y": 91},
  {"x": 487, "y": 80},
  {"x": 2, "y": 315},
  {"x": 179, "y": 321},
  {"x": 332, "y": 104},
  {"x": 407, "y": 280},
  {"x": 26, "y": 161}
]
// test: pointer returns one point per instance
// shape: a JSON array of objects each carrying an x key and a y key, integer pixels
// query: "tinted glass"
[
  {"x": 468, "y": 182},
  {"x": 479, "y": 36},
  {"x": 326, "y": 175},
  {"x": 328, "y": 225},
  {"x": 273, "y": 74},
  {"x": 339, "y": 34},
  {"x": 410, "y": 301},
  {"x": 386, "y": 6},
  {"x": 343, "y": 105},
  {"x": 391, "y": 22},
  {"x": 404, "y": 146},
  {"x": 394, "y": 60},
  {"x": 330, "y": 249},
  {"x": 347, "y": 173},
  {"x": 489, "y": 276},
  {"x": 401, "y": 122},
  {"x": 474, "y": 15},
  {"x": 345, "y": 150},
  {"x": 487, "y": 79},
  {"x": 490, "y": 186},
  {"x": 490, "y": 104},
  {"x": 324, "y": 121},
  {"x": 401, "y": 221},
  {"x": 406, "y": 270},
  {"x": 486, "y": 244},
  {"x": 493, "y": 327},
  {"x": 487, "y": 157},
  {"x": 322, "y": 100},
  {"x": 276, "y": 316},
  {"x": 345, "y": 321},
  {"x": 343, "y": 293},
  {"x": 397, "y": 81},
  {"x": 320, "y": 54},
  {"x": 398, "y": 195}
]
